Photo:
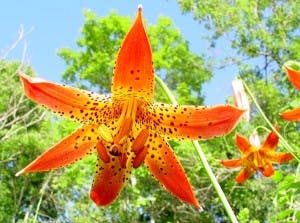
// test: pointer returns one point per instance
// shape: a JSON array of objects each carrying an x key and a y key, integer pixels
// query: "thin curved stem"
[
  {"x": 42, "y": 192},
  {"x": 203, "y": 159}
]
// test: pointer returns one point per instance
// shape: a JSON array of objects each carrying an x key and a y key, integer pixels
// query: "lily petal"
[
  {"x": 71, "y": 149},
  {"x": 133, "y": 73},
  {"x": 278, "y": 157},
  {"x": 164, "y": 166},
  {"x": 291, "y": 115},
  {"x": 232, "y": 163},
  {"x": 190, "y": 122},
  {"x": 70, "y": 102},
  {"x": 243, "y": 144},
  {"x": 243, "y": 175},
  {"x": 267, "y": 170},
  {"x": 293, "y": 75},
  {"x": 272, "y": 140},
  {"x": 109, "y": 180}
]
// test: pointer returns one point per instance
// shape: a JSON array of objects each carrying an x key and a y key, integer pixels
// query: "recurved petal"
[
  {"x": 70, "y": 102},
  {"x": 133, "y": 73},
  {"x": 190, "y": 122},
  {"x": 293, "y": 75},
  {"x": 108, "y": 181},
  {"x": 243, "y": 144},
  {"x": 278, "y": 157},
  {"x": 243, "y": 175},
  {"x": 71, "y": 149},
  {"x": 291, "y": 115},
  {"x": 267, "y": 170},
  {"x": 272, "y": 140},
  {"x": 164, "y": 166},
  {"x": 232, "y": 163}
]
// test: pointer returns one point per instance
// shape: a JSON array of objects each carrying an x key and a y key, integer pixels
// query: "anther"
[
  {"x": 102, "y": 153},
  {"x": 140, "y": 157},
  {"x": 140, "y": 141}
]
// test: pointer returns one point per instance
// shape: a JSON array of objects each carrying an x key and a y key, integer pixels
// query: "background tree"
[{"x": 19, "y": 142}]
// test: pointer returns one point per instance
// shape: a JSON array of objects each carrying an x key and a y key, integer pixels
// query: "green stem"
[
  {"x": 203, "y": 159},
  {"x": 42, "y": 192},
  {"x": 282, "y": 139}
]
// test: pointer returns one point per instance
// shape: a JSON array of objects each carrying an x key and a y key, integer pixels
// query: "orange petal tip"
[
  {"x": 198, "y": 207},
  {"x": 94, "y": 196},
  {"x": 140, "y": 8},
  {"x": 291, "y": 115}
]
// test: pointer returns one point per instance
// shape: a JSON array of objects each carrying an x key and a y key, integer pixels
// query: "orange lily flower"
[
  {"x": 294, "y": 77},
  {"x": 257, "y": 158},
  {"x": 126, "y": 129}
]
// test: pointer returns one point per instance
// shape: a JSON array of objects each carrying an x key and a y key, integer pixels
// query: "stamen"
[
  {"x": 122, "y": 116},
  {"x": 124, "y": 130},
  {"x": 140, "y": 141},
  {"x": 140, "y": 157},
  {"x": 125, "y": 122},
  {"x": 129, "y": 108},
  {"x": 105, "y": 133},
  {"x": 255, "y": 159},
  {"x": 102, "y": 153},
  {"x": 134, "y": 109}
]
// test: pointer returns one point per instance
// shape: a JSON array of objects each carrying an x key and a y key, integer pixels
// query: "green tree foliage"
[
  {"x": 26, "y": 130},
  {"x": 254, "y": 28},
  {"x": 19, "y": 141}
]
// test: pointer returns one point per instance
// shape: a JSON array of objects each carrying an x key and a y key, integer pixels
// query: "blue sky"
[{"x": 56, "y": 24}]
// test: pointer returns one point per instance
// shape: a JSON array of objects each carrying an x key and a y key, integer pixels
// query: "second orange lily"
[
  {"x": 257, "y": 158},
  {"x": 126, "y": 129}
]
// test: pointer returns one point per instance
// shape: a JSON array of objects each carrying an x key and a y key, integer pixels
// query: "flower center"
[
  {"x": 118, "y": 140},
  {"x": 255, "y": 160}
]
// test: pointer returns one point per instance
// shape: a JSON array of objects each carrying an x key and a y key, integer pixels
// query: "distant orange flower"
[
  {"x": 126, "y": 129},
  {"x": 294, "y": 77},
  {"x": 240, "y": 98},
  {"x": 257, "y": 158}
]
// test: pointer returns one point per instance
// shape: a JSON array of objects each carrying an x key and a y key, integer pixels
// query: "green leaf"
[{"x": 284, "y": 214}]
